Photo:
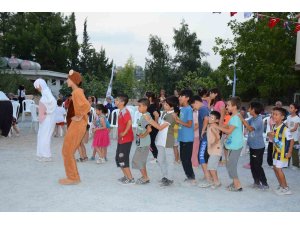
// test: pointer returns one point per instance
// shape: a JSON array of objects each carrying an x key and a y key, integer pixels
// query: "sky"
[{"x": 127, "y": 34}]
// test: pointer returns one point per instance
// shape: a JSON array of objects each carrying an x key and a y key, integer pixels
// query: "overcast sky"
[{"x": 127, "y": 34}]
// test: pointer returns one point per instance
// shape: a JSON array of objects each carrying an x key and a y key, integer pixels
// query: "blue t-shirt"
[
  {"x": 255, "y": 138},
  {"x": 186, "y": 134},
  {"x": 235, "y": 139},
  {"x": 202, "y": 113}
]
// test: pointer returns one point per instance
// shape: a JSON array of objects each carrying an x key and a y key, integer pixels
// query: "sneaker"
[
  {"x": 284, "y": 191},
  {"x": 205, "y": 184},
  {"x": 17, "y": 134},
  {"x": 153, "y": 161},
  {"x": 92, "y": 158},
  {"x": 128, "y": 181},
  {"x": 166, "y": 183},
  {"x": 100, "y": 161},
  {"x": 256, "y": 186},
  {"x": 189, "y": 182},
  {"x": 177, "y": 162},
  {"x": 142, "y": 181},
  {"x": 164, "y": 179},
  {"x": 263, "y": 187},
  {"x": 122, "y": 179},
  {"x": 215, "y": 186}
]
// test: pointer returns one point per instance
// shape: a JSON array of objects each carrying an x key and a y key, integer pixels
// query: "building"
[{"x": 32, "y": 71}]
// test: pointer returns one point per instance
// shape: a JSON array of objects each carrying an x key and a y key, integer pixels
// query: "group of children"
[{"x": 203, "y": 134}]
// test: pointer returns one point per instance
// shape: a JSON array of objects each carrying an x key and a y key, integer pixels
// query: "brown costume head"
[{"x": 75, "y": 77}]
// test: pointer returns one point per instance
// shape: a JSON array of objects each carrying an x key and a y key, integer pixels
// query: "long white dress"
[{"x": 47, "y": 106}]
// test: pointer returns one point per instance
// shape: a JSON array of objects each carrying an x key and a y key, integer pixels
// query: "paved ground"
[{"x": 29, "y": 185}]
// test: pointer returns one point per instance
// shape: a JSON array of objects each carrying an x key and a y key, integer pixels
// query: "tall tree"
[
  {"x": 264, "y": 58},
  {"x": 85, "y": 49},
  {"x": 188, "y": 52},
  {"x": 73, "y": 44},
  {"x": 158, "y": 66}
]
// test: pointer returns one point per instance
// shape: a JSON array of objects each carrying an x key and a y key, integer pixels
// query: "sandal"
[
  {"x": 235, "y": 189},
  {"x": 80, "y": 160},
  {"x": 142, "y": 181}
]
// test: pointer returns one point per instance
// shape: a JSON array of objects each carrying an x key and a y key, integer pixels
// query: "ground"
[{"x": 32, "y": 186}]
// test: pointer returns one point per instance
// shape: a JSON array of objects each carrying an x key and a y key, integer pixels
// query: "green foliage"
[
  {"x": 158, "y": 66},
  {"x": 11, "y": 82},
  {"x": 124, "y": 82},
  {"x": 264, "y": 58},
  {"x": 73, "y": 62}
]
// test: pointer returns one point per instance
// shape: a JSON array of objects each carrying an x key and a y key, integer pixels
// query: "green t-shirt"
[
  {"x": 170, "y": 136},
  {"x": 141, "y": 128},
  {"x": 235, "y": 140}
]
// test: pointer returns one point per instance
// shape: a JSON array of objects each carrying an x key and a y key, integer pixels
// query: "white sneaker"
[
  {"x": 153, "y": 161},
  {"x": 205, "y": 184},
  {"x": 100, "y": 161},
  {"x": 284, "y": 191}
]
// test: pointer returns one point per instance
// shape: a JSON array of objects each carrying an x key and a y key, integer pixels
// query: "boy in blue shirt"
[
  {"x": 186, "y": 134},
  {"x": 256, "y": 143}
]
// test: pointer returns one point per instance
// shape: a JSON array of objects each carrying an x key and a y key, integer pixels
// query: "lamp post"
[{"x": 234, "y": 76}]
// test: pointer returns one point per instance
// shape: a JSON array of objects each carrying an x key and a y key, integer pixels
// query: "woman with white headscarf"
[{"x": 47, "y": 107}]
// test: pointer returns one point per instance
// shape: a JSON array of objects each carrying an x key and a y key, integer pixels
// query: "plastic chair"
[
  {"x": 26, "y": 103},
  {"x": 114, "y": 122},
  {"x": 137, "y": 115},
  {"x": 34, "y": 116},
  {"x": 91, "y": 120},
  {"x": 108, "y": 113},
  {"x": 16, "y": 108}
]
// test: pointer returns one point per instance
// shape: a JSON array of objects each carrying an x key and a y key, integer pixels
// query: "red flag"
[
  {"x": 273, "y": 22},
  {"x": 233, "y": 13},
  {"x": 297, "y": 28}
]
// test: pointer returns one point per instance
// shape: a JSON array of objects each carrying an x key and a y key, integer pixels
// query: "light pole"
[{"x": 234, "y": 76}]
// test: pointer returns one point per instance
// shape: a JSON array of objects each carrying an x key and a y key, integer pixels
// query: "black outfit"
[
  {"x": 186, "y": 150},
  {"x": 151, "y": 109},
  {"x": 256, "y": 161},
  {"x": 270, "y": 154},
  {"x": 6, "y": 117},
  {"x": 122, "y": 154}
]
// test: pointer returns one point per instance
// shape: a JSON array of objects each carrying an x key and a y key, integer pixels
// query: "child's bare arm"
[
  {"x": 245, "y": 123},
  {"x": 148, "y": 131},
  {"x": 154, "y": 123},
  {"x": 289, "y": 154},
  {"x": 226, "y": 130}
]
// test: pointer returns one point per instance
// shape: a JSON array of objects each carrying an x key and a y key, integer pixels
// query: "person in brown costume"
[{"x": 76, "y": 130}]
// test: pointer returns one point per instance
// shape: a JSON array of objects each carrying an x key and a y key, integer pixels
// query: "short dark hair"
[
  {"x": 257, "y": 106},
  {"x": 295, "y": 106},
  {"x": 196, "y": 98},
  {"x": 102, "y": 108},
  {"x": 124, "y": 98},
  {"x": 202, "y": 91},
  {"x": 144, "y": 101},
  {"x": 187, "y": 93},
  {"x": 216, "y": 114},
  {"x": 172, "y": 101},
  {"x": 59, "y": 102},
  {"x": 282, "y": 111},
  {"x": 236, "y": 101}
]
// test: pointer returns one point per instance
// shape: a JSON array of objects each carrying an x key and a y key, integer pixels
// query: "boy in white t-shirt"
[
  {"x": 292, "y": 123},
  {"x": 60, "y": 114}
]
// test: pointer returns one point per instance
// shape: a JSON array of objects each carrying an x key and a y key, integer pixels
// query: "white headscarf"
[
  {"x": 3, "y": 97},
  {"x": 47, "y": 98}
]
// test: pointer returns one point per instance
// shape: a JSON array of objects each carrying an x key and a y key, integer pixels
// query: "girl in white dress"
[{"x": 47, "y": 106}]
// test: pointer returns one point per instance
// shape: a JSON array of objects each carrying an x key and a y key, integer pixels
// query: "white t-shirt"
[
  {"x": 60, "y": 113},
  {"x": 291, "y": 123}
]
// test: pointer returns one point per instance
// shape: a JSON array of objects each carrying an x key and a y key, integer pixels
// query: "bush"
[{"x": 11, "y": 82}]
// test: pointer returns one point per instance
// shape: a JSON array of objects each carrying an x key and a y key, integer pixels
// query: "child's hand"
[
  {"x": 122, "y": 134},
  {"x": 202, "y": 133},
  {"x": 175, "y": 116},
  {"x": 271, "y": 134},
  {"x": 240, "y": 116},
  {"x": 288, "y": 155}
]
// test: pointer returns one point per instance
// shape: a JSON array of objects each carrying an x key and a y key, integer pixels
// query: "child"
[
  {"x": 292, "y": 123},
  {"x": 125, "y": 138},
  {"x": 203, "y": 116},
  {"x": 60, "y": 114},
  {"x": 176, "y": 143},
  {"x": 101, "y": 138},
  {"x": 283, "y": 143},
  {"x": 186, "y": 134},
  {"x": 234, "y": 142},
  {"x": 142, "y": 142},
  {"x": 165, "y": 139},
  {"x": 270, "y": 144},
  {"x": 256, "y": 143},
  {"x": 196, "y": 144},
  {"x": 214, "y": 148}
]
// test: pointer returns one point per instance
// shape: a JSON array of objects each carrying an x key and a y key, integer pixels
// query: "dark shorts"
[{"x": 122, "y": 155}]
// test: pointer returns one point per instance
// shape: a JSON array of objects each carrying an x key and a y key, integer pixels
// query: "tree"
[
  {"x": 188, "y": 52},
  {"x": 158, "y": 66},
  {"x": 86, "y": 50},
  {"x": 264, "y": 58},
  {"x": 73, "y": 44},
  {"x": 124, "y": 82}
]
